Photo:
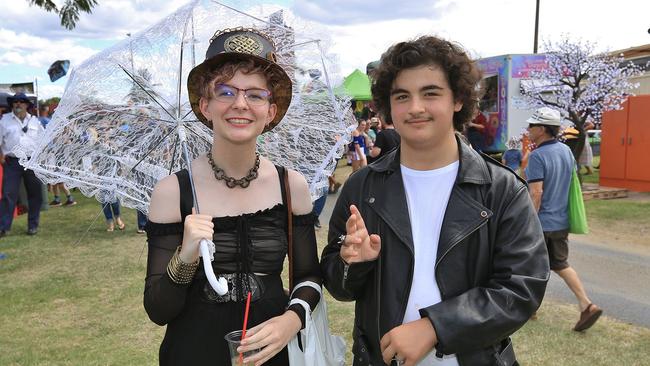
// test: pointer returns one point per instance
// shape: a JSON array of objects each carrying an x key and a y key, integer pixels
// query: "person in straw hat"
[{"x": 239, "y": 92}]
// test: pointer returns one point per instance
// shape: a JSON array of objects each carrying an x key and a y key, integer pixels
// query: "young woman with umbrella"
[{"x": 239, "y": 92}]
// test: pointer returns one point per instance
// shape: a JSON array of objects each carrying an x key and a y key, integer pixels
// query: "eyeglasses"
[
  {"x": 530, "y": 125},
  {"x": 254, "y": 96},
  {"x": 20, "y": 101}
]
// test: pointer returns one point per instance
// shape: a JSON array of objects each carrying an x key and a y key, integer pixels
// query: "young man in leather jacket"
[{"x": 439, "y": 245}]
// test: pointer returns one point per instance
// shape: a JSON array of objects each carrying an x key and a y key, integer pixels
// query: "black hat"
[
  {"x": 240, "y": 44},
  {"x": 20, "y": 96}
]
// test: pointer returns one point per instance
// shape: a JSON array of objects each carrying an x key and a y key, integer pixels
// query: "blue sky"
[{"x": 31, "y": 39}]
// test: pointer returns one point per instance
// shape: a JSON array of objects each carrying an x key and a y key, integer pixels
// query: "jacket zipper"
[
  {"x": 410, "y": 284},
  {"x": 483, "y": 223},
  {"x": 439, "y": 354},
  {"x": 346, "y": 267}
]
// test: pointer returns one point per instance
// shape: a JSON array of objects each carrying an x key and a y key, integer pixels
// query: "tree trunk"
[{"x": 578, "y": 148}]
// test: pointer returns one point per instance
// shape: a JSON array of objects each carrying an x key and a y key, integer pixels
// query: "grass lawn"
[
  {"x": 618, "y": 221},
  {"x": 71, "y": 297},
  {"x": 594, "y": 177}
]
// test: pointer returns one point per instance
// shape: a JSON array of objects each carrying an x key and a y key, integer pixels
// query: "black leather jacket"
[{"x": 492, "y": 265}]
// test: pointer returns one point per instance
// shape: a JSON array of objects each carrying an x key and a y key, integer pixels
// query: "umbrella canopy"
[
  {"x": 114, "y": 131},
  {"x": 357, "y": 86},
  {"x": 58, "y": 69}
]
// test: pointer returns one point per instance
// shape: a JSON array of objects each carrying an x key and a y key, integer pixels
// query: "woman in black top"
[{"x": 239, "y": 92}]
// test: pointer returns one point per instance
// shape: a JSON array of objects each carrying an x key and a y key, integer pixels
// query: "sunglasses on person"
[
  {"x": 254, "y": 96},
  {"x": 20, "y": 101}
]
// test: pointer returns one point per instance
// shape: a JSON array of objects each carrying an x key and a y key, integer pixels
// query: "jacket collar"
[{"x": 472, "y": 166}]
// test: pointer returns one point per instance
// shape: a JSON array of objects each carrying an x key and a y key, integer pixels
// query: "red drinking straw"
[{"x": 243, "y": 333}]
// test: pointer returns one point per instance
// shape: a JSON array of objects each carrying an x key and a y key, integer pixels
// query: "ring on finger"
[{"x": 342, "y": 239}]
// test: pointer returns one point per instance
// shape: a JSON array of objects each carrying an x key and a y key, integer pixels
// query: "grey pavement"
[
  {"x": 329, "y": 206},
  {"x": 615, "y": 280}
]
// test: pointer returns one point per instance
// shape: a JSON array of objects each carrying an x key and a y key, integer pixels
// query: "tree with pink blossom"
[{"x": 580, "y": 83}]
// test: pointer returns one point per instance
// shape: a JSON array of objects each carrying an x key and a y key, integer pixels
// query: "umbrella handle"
[{"x": 207, "y": 253}]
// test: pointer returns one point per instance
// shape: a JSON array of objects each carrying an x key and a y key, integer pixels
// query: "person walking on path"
[
  {"x": 56, "y": 191},
  {"x": 142, "y": 222},
  {"x": 439, "y": 246},
  {"x": 111, "y": 211},
  {"x": 19, "y": 128},
  {"x": 549, "y": 171},
  {"x": 57, "y": 188}
]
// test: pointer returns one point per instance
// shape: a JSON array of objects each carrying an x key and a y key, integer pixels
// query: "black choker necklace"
[{"x": 230, "y": 181}]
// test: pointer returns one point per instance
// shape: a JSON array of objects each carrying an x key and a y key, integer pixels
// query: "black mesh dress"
[{"x": 249, "y": 243}]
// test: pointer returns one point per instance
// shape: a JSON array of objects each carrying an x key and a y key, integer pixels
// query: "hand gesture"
[
  {"x": 408, "y": 342},
  {"x": 196, "y": 227},
  {"x": 358, "y": 245},
  {"x": 271, "y": 336}
]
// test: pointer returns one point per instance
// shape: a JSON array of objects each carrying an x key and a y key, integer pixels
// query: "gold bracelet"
[{"x": 180, "y": 272}]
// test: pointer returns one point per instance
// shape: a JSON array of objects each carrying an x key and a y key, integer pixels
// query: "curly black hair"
[{"x": 462, "y": 74}]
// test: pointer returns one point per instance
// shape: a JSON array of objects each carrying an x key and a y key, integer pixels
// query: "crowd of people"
[
  {"x": 21, "y": 124},
  {"x": 445, "y": 251},
  {"x": 373, "y": 138}
]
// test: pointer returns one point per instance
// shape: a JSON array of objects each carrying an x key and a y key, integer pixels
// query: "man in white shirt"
[
  {"x": 439, "y": 245},
  {"x": 19, "y": 128}
]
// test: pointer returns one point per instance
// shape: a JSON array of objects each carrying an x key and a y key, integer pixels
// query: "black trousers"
[{"x": 12, "y": 174}]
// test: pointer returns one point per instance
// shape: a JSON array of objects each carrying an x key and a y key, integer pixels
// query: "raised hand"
[
  {"x": 359, "y": 246},
  {"x": 196, "y": 227}
]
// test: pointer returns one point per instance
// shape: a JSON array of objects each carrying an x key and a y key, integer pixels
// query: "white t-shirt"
[{"x": 427, "y": 195}]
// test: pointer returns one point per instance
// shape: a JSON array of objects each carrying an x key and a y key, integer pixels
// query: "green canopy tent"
[{"x": 357, "y": 85}]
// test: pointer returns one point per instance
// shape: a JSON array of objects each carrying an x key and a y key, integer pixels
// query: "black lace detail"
[{"x": 243, "y": 257}]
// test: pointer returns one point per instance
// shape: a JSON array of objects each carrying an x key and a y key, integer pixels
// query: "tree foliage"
[
  {"x": 580, "y": 83},
  {"x": 49, "y": 101},
  {"x": 69, "y": 12}
]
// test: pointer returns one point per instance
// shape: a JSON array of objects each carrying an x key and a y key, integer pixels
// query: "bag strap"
[
  {"x": 285, "y": 189},
  {"x": 186, "y": 196},
  {"x": 287, "y": 199}
]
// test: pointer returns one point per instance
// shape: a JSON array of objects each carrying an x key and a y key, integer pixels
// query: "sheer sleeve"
[
  {"x": 305, "y": 263},
  {"x": 163, "y": 299}
]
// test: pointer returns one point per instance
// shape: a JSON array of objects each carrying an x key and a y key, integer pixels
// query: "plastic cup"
[{"x": 234, "y": 340}]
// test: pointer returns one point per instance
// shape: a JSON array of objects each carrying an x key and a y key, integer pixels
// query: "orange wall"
[{"x": 625, "y": 146}]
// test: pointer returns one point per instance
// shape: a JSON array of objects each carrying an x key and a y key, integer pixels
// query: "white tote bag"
[{"x": 320, "y": 348}]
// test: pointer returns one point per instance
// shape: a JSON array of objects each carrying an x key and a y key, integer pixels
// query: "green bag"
[{"x": 577, "y": 214}]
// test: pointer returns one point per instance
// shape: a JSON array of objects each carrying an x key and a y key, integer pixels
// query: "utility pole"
[
  {"x": 536, "y": 25},
  {"x": 131, "y": 50}
]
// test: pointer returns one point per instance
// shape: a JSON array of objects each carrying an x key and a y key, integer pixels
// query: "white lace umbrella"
[
  {"x": 115, "y": 129},
  {"x": 121, "y": 122}
]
